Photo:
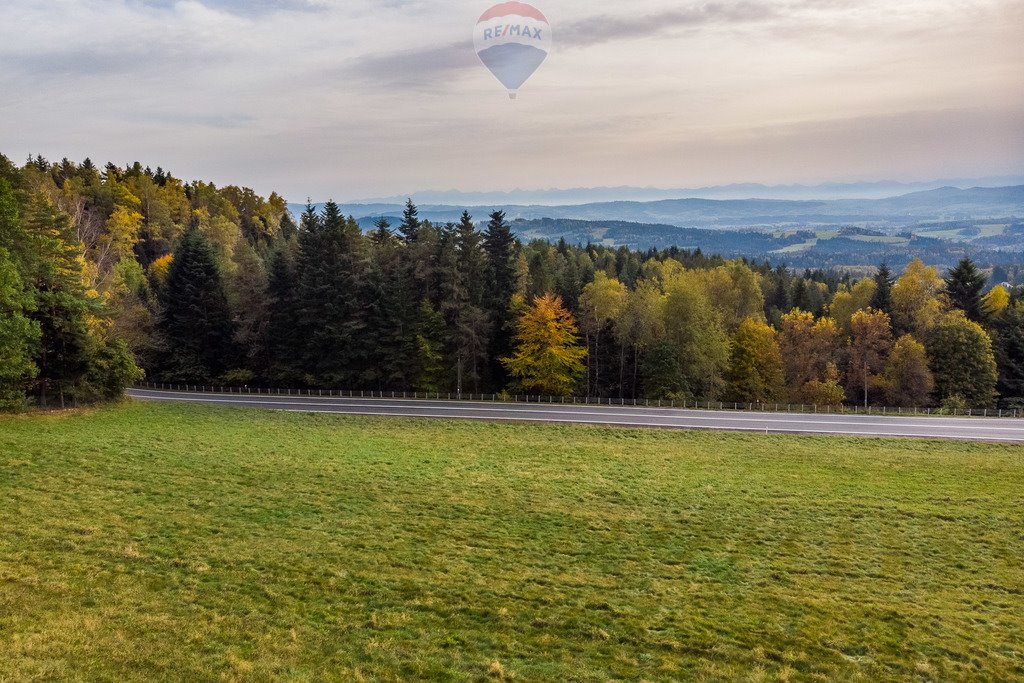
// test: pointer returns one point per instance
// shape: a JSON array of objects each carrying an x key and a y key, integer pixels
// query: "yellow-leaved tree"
[
  {"x": 995, "y": 302},
  {"x": 847, "y": 302},
  {"x": 548, "y": 359}
]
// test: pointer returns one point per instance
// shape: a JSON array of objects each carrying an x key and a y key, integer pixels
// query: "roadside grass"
[{"x": 183, "y": 542}]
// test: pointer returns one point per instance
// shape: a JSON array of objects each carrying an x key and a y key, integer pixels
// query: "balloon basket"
[{"x": 513, "y": 95}]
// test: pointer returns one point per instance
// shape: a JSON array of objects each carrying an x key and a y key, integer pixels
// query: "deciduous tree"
[
  {"x": 755, "y": 365},
  {"x": 870, "y": 345},
  {"x": 600, "y": 304},
  {"x": 735, "y": 291},
  {"x": 695, "y": 328},
  {"x": 916, "y": 303},
  {"x": 809, "y": 349},
  {"x": 548, "y": 359},
  {"x": 995, "y": 303},
  {"x": 847, "y": 302},
  {"x": 907, "y": 380}
]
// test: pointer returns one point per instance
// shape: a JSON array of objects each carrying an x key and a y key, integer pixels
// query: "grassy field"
[{"x": 191, "y": 543}]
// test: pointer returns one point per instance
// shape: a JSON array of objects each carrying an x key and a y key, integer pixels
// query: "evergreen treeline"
[{"x": 105, "y": 270}]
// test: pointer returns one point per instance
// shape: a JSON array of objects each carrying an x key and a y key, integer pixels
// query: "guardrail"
[{"x": 593, "y": 401}]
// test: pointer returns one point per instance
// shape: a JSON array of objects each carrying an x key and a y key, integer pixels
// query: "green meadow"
[{"x": 142, "y": 542}]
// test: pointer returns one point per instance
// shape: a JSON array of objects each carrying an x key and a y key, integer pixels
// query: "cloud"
[
  {"x": 244, "y": 7},
  {"x": 416, "y": 68},
  {"x": 604, "y": 29}
]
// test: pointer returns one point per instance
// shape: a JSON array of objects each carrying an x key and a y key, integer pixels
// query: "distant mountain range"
[
  {"x": 942, "y": 204},
  {"x": 990, "y": 242},
  {"x": 588, "y": 195},
  {"x": 940, "y": 225}
]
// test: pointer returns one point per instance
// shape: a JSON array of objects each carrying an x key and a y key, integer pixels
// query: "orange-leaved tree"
[{"x": 548, "y": 359}]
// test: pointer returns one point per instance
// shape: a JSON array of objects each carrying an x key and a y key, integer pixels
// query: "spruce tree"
[
  {"x": 800, "y": 298},
  {"x": 331, "y": 321},
  {"x": 502, "y": 282},
  {"x": 962, "y": 360},
  {"x": 662, "y": 371},
  {"x": 473, "y": 324},
  {"x": 409, "y": 229},
  {"x": 431, "y": 375},
  {"x": 568, "y": 282},
  {"x": 281, "y": 340},
  {"x": 390, "y": 320},
  {"x": 382, "y": 233},
  {"x": 964, "y": 285},
  {"x": 1008, "y": 340},
  {"x": 289, "y": 230},
  {"x": 882, "y": 298},
  {"x": 461, "y": 269},
  {"x": 195, "y": 327}
]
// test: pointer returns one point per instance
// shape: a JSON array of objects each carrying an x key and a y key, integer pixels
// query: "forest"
[{"x": 111, "y": 275}]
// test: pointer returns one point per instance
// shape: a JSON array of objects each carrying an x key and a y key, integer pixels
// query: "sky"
[{"x": 367, "y": 98}]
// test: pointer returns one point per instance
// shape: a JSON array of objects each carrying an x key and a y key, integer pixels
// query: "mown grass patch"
[{"x": 157, "y": 541}]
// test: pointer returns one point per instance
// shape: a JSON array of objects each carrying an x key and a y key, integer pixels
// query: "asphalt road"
[{"x": 1007, "y": 430}]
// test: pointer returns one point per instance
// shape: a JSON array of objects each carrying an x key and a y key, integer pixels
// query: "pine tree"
[
  {"x": 882, "y": 298},
  {"x": 964, "y": 285},
  {"x": 421, "y": 258},
  {"x": 382, "y": 232},
  {"x": 569, "y": 283},
  {"x": 195, "y": 324},
  {"x": 472, "y": 325}
]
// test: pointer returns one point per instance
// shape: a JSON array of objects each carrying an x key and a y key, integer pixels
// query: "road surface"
[{"x": 1008, "y": 430}]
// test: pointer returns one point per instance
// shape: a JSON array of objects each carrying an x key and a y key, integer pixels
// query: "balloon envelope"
[{"x": 512, "y": 39}]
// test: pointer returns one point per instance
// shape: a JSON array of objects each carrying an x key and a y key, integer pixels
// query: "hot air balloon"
[{"x": 512, "y": 39}]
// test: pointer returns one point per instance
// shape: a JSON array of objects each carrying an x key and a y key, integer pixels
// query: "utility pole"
[{"x": 865, "y": 384}]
